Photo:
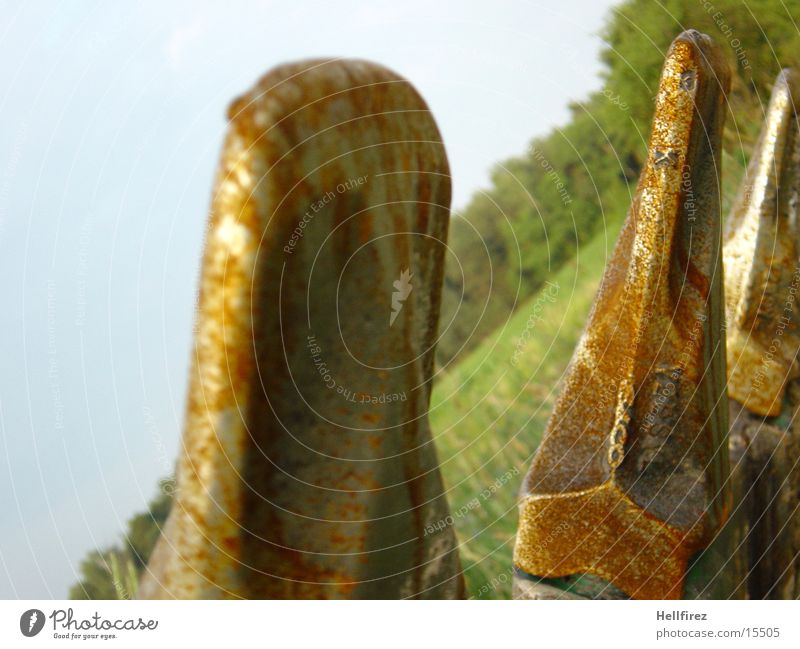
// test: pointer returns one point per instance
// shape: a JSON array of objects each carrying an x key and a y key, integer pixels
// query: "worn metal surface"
[
  {"x": 308, "y": 469},
  {"x": 630, "y": 466},
  {"x": 581, "y": 586},
  {"x": 524, "y": 588},
  {"x": 767, "y": 479},
  {"x": 787, "y": 505},
  {"x": 762, "y": 261}
]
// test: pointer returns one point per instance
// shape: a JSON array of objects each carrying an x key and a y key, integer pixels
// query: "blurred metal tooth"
[
  {"x": 630, "y": 481},
  {"x": 308, "y": 469},
  {"x": 762, "y": 276},
  {"x": 762, "y": 271}
]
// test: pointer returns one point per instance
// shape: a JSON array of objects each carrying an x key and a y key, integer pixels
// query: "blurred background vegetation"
[{"x": 550, "y": 215}]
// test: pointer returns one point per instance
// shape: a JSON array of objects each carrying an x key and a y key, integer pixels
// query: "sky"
[{"x": 112, "y": 121}]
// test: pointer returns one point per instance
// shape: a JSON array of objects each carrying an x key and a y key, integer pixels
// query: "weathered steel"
[
  {"x": 308, "y": 469},
  {"x": 762, "y": 253},
  {"x": 762, "y": 278},
  {"x": 633, "y": 465},
  {"x": 526, "y": 588},
  {"x": 787, "y": 584},
  {"x": 768, "y": 482},
  {"x": 584, "y": 586}
]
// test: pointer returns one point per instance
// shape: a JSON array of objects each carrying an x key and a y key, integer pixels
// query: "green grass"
[{"x": 488, "y": 414}]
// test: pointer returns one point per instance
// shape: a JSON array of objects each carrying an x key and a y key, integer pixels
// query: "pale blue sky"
[{"x": 112, "y": 118}]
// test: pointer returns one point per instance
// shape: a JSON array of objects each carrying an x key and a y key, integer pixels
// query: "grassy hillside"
[{"x": 488, "y": 413}]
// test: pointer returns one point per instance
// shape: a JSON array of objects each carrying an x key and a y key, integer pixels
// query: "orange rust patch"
[{"x": 608, "y": 532}]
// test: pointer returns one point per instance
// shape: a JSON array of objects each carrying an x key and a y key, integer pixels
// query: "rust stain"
[
  {"x": 629, "y": 469},
  {"x": 762, "y": 276}
]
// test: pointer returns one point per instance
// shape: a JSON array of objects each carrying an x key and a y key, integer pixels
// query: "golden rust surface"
[
  {"x": 629, "y": 465},
  {"x": 762, "y": 266},
  {"x": 307, "y": 469}
]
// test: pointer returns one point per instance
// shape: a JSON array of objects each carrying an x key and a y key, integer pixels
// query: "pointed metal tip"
[
  {"x": 697, "y": 51},
  {"x": 762, "y": 274},
  {"x": 787, "y": 84},
  {"x": 630, "y": 467}
]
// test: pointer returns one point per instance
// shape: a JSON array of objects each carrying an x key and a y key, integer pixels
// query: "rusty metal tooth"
[
  {"x": 761, "y": 262},
  {"x": 630, "y": 481},
  {"x": 762, "y": 276},
  {"x": 307, "y": 468}
]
